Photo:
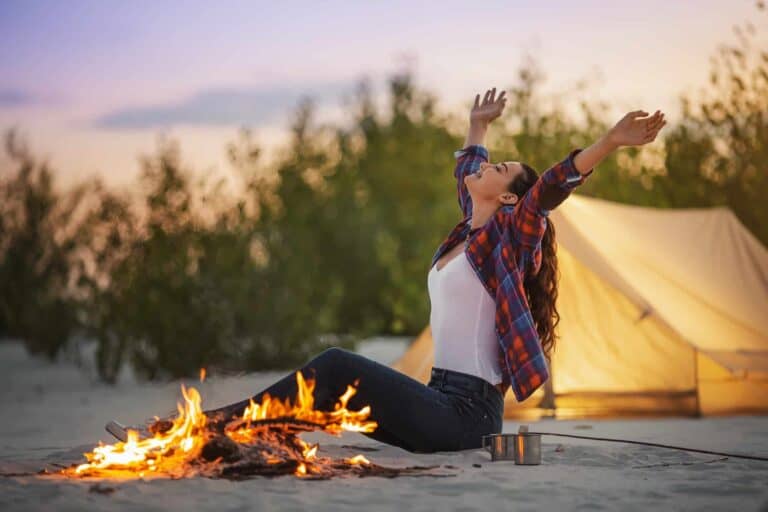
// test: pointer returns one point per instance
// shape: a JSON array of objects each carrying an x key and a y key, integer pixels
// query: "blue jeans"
[{"x": 450, "y": 413}]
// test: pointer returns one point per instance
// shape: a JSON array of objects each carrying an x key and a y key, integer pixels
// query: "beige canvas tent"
[{"x": 663, "y": 312}]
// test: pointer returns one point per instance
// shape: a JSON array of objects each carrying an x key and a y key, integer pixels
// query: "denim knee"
[{"x": 329, "y": 356}]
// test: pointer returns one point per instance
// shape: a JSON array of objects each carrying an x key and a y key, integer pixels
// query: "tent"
[{"x": 663, "y": 312}]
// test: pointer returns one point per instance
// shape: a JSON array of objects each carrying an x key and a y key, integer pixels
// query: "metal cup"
[
  {"x": 500, "y": 446},
  {"x": 523, "y": 448}
]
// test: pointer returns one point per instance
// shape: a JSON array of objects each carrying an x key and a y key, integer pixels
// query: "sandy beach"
[{"x": 53, "y": 413}]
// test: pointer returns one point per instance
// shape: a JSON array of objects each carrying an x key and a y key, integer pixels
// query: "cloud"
[
  {"x": 15, "y": 98},
  {"x": 224, "y": 106}
]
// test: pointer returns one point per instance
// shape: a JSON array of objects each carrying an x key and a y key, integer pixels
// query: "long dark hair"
[{"x": 541, "y": 288}]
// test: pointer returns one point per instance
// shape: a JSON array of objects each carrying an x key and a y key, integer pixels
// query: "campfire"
[{"x": 264, "y": 441}]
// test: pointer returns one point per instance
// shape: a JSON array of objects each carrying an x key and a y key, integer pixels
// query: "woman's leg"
[{"x": 409, "y": 414}]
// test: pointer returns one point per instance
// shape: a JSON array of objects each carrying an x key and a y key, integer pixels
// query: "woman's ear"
[{"x": 508, "y": 198}]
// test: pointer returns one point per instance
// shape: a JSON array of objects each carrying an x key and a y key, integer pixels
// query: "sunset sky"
[{"x": 91, "y": 84}]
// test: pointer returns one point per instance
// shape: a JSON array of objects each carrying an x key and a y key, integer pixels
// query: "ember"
[{"x": 264, "y": 441}]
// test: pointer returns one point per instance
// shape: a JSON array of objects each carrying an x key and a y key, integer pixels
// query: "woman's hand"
[
  {"x": 489, "y": 109},
  {"x": 632, "y": 130}
]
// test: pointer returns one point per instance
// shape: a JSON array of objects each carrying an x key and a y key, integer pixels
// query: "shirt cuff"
[
  {"x": 472, "y": 150},
  {"x": 573, "y": 178}
]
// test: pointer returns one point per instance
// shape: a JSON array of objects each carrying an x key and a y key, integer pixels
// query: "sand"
[{"x": 53, "y": 413}]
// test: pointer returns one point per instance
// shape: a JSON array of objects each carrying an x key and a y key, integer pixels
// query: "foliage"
[
  {"x": 332, "y": 242},
  {"x": 44, "y": 236},
  {"x": 718, "y": 154}
]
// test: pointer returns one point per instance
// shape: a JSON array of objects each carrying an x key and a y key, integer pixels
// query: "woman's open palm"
[
  {"x": 490, "y": 108},
  {"x": 631, "y": 130}
]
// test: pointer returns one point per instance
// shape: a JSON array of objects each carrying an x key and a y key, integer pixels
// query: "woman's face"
[{"x": 491, "y": 181}]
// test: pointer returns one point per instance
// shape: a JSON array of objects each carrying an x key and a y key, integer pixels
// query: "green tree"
[
  {"x": 717, "y": 154},
  {"x": 42, "y": 264}
]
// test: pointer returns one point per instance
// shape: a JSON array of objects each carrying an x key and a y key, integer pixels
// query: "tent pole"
[
  {"x": 548, "y": 403},
  {"x": 696, "y": 380}
]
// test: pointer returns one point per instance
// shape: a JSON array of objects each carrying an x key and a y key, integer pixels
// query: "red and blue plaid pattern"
[{"x": 503, "y": 251}]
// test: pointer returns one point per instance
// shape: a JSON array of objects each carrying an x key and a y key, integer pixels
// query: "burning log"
[
  {"x": 264, "y": 441},
  {"x": 221, "y": 447},
  {"x": 160, "y": 426}
]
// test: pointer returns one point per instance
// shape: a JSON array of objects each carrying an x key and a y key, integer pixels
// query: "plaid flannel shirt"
[{"x": 502, "y": 252}]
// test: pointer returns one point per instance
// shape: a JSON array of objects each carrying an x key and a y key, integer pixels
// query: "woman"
[{"x": 492, "y": 310}]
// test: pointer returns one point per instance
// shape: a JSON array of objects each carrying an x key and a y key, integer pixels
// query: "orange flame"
[
  {"x": 202, "y": 374},
  {"x": 171, "y": 453},
  {"x": 333, "y": 422},
  {"x": 162, "y": 453},
  {"x": 358, "y": 459}
]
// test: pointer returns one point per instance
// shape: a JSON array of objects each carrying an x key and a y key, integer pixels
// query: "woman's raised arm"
[
  {"x": 483, "y": 114},
  {"x": 557, "y": 182},
  {"x": 631, "y": 130},
  {"x": 469, "y": 158}
]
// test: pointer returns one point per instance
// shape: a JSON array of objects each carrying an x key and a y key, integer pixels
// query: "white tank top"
[{"x": 462, "y": 319}]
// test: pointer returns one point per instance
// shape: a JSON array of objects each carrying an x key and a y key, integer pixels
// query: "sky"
[{"x": 92, "y": 84}]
